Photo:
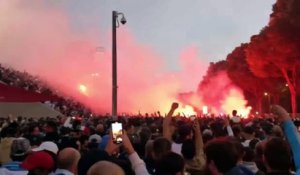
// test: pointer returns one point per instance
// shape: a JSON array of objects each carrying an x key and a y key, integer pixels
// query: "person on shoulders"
[{"x": 235, "y": 118}]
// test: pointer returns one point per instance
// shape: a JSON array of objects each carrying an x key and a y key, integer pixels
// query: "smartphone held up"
[{"x": 117, "y": 132}]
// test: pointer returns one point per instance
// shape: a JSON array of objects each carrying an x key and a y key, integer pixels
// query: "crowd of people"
[
  {"x": 151, "y": 145},
  {"x": 156, "y": 145}
]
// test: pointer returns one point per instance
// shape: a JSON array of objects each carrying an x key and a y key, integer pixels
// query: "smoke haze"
[{"x": 39, "y": 39}]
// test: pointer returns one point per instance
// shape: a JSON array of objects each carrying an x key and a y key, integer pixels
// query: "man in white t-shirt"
[{"x": 235, "y": 118}]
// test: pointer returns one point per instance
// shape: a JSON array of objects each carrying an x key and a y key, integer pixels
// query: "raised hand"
[
  {"x": 226, "y": 121},
  {"x": 174, "y": 106},
  {"x": 280, "y": 112},
  {"x": 127, "y": 144},
  {"x": 167, "y": 128},
  {"x": 111, "y": 148},
  {"x": 196, "y": 125}
]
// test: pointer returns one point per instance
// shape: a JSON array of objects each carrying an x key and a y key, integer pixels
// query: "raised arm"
[
  {"x": 199, "y": 143},
  {"x": 167, "y": 130},
  {"x": 228, "y": 127},
  {"x": 198, "y": 137},
  {"x": 290, "y": 132},
  {"x": 138, "y": 165}
]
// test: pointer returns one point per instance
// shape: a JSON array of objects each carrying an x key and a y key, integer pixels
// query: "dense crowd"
[{"x": 152, "y": 144}]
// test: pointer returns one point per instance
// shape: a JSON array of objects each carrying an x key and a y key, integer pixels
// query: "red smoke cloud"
[
  {"x": 38, "y": 39},
  {"x": 220, "y": 95}
]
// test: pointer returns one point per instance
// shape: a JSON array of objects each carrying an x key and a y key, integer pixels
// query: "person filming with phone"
[{"x": 119, "y": 139}]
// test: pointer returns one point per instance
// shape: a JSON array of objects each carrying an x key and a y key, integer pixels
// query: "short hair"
[
  {"x": 32, "y": 127},
  {"x": 145, "y": 134},
  {"x": 183, "y": 131},
  {"x": 253, "y": 143},
  {"x": 239, "y": 147},
  {"x": 52, "y": 125},
  {"x": 170, "y": 164},
  {"x": 89, "y": 159},
  {"x": 236, "y": 130},
  {"x": 223, "y": 152},
  {"x": 161, "y": 146},
  {"x": 267, "y": 127},
  {"x": 11, "y": 132},
  {"x": 188, "y": 149},
  {"x": 249, "y": 155},
  {"x": 277, "y": 154},
  {"x": 248, "y": 130},
  {"x": 234, "y": 112}
]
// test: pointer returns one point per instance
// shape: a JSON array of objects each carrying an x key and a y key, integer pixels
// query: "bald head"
[
  {"x": 68, "y": 159},
  {"x": 105, "y": 168}
]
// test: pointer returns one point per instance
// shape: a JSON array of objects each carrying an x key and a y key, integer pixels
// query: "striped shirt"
[{"x": 12, "y": 168}]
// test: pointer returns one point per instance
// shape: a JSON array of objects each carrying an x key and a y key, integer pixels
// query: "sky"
[
  {"x": 215, "y": 27},
  {"x": 163, "y": 50}
]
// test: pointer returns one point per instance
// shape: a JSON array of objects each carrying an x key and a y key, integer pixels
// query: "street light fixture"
[
  {"x": 115, "y": 24},
  {"x": 266, "y": 94}
]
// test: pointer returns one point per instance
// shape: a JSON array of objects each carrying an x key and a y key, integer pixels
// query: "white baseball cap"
[
  {"x": 95, "y": 137},
  {"x": 208, "y": 132},
  {"x": 47, "y": 146}
]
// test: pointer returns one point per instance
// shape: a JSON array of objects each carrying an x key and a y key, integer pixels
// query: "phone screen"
[{"x": 117, "y": 132}]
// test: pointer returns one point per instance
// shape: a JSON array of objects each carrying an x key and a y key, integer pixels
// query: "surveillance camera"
[{"x": 123, "y": 20}]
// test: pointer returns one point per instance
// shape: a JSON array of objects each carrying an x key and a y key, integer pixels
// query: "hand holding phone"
[
  {"x": 127, "y": 144},
  {"x": 117, "y": 132}
]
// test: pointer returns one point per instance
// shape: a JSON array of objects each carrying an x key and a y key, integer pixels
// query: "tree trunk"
[
  {"x": 294, "y": 101},
  {"x": 292, "y": 87},
  {"x": 258, "y": 97},
  {"x": 276, "y": 99}
]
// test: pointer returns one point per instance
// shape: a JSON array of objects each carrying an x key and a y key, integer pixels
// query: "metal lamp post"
[
  {"x": 268, "y": 95},
  {"x": 115, "y": 24}
]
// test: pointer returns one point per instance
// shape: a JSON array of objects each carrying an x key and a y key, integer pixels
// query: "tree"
[
  {"x": 240, "y": 74},
  {"x": 275, "y": 51}
]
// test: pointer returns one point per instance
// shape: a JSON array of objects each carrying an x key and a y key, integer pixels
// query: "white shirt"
[
  {"x": 62, "y": 171},
  {"x": 12, "y": 168},
  {"x": 236, "y": 119},
  {"x": 4, "y": 171},
  {"x": 138, "y": 165},
  {"x": 176, "y": 148},
  {"x": 246, "y": 143}
]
